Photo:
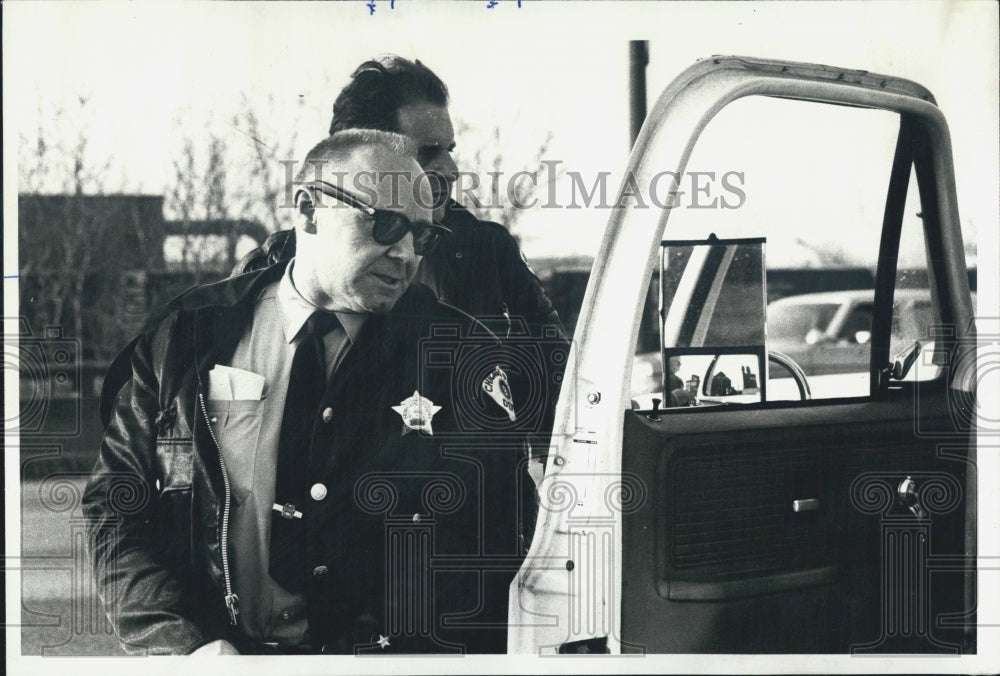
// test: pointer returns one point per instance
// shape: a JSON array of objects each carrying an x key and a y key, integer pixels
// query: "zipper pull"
[{"x": 233, "y": 604}]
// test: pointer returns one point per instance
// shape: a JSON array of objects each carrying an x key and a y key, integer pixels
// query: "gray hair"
[{"x": 338, "y": 147}]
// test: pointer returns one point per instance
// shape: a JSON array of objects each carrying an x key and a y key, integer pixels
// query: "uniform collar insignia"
[{"x": 417, "y": 413}]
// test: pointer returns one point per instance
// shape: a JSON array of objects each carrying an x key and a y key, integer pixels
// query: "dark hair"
[{"x": 379, "y": 88}]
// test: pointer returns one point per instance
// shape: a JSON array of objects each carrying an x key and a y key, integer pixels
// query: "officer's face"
[
  {"x": 338, "y": 264},
  {"x": 430, "y": 128}
]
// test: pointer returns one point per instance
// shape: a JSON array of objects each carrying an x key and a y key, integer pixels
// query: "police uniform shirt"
[{"x": 248, "y": 433}]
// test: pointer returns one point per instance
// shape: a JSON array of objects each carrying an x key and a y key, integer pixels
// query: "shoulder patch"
[{"x": 497, "y": 386}]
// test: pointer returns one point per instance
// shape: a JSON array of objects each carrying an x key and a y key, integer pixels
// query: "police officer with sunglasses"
[
  {"x": 321, "y": 457},
  {"x": 388, "y": 226},
  {"x": 480, "y": 269}
]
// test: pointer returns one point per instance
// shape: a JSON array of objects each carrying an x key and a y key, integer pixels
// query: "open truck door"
[{"x": 836, "y": 515}]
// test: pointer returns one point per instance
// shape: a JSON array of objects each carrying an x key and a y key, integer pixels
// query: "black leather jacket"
[
  {"x": 479, "y": 269},
  {"x": 158, "y": 501}
]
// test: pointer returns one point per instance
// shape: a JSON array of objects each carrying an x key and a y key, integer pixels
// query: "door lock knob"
[{"x": 908, "y": 496}]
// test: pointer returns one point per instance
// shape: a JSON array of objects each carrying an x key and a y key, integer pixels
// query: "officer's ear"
[{"x": 306, "y": 212}]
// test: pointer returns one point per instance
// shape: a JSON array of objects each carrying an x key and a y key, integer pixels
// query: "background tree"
[
  {"x": 86, "y": 237},
  {"x": 65, "y": 242},
  {"x": 499, "y": 196},
  {"x": 232, "y": 174}
]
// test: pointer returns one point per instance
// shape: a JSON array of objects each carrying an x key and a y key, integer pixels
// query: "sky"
[{"x": 154, "y": 73}]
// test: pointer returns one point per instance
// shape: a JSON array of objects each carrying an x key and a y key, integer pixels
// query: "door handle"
[
  {"x": 807, "y": 505},
  {"x": 908, "y": 496}
]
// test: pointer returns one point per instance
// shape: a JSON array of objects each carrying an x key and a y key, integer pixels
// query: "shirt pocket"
[{"x": 237, "y": 425}]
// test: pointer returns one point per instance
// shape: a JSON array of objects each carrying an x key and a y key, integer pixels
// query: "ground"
[{"x": 60, "y": 612}]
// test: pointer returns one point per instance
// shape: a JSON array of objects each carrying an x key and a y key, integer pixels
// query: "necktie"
[{"x": 306, "y": 385}]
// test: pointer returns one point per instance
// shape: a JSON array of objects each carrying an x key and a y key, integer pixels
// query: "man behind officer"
[
  {"x": 480, "y": 269},
  {"x": 286, "y": 459}
]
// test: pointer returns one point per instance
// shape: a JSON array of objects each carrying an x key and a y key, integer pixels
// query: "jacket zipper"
[
  {"x": 232, "y": 600},
  {"x": 506, "y": 314}
]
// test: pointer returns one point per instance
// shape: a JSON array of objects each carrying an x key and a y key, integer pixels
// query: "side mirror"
[
  {"x": 700, "y": 377},
  {"x": 713, "y": 293},
  {"x": 713, "y": 300}
]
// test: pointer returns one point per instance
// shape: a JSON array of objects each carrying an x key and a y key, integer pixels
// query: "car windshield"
[{"x": 792, "y": 321}]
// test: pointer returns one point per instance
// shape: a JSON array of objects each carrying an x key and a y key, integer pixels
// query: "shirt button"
[
  {"x": 318, "y": 492},
  {"x": 213, "y": 420},
  {"x": 286, "y": 615},
  {"x": 327, "y": 414},
  {"x": 320, "y": 571}
]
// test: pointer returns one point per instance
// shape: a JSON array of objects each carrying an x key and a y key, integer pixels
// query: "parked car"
[
  {"x": 742, "y": 519},
  {"x": 831, "y": 332}
]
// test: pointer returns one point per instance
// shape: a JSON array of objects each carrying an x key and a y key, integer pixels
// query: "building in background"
[{"x": 92, "y": 269}]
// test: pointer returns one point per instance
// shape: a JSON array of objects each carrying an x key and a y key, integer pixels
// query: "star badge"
[
  {"x": 417, "y": 413},
  {"x": 497, "y": 386},
  {"x": 383, "y": 641}
]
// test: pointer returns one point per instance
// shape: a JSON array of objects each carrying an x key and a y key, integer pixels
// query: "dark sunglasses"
[{"x": 388, "y": 227}]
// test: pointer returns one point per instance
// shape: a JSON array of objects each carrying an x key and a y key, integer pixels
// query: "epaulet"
[{"x": 477, "y": 327}]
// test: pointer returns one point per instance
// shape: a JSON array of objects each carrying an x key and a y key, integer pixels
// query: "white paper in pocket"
[
  {"x": 218, "y": 385},
  {"x": 227, "y": 383}
]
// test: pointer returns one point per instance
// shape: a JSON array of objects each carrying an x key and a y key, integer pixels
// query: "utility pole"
[{"x": 638, "y": 59}]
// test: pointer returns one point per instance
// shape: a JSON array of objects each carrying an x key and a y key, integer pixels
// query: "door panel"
[{"x": 721, "y": 558}]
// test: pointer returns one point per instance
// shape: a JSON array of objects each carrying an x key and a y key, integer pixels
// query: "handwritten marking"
[
  {"x": 372, "y": 4},
  {"x": 251, "y": 136}
]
